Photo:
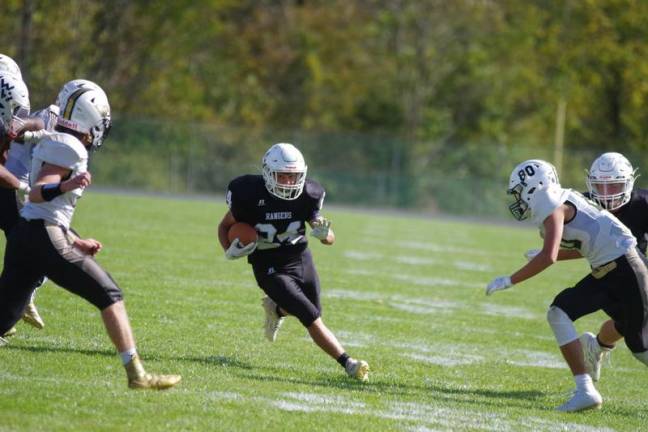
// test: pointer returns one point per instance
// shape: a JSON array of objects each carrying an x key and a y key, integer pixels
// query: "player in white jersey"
[
  {"x": 574, "y": 227},
  {"x": 19, "y": 160},
  {"x": 43, "y": 244},
  {"x": 14, "y": 121}
]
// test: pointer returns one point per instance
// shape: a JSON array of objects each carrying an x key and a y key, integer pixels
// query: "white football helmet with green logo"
[
  {"x": 610, "y": 180},
  {"x": 284, "y": 158}
]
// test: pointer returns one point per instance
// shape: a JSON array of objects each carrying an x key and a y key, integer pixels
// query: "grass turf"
[{"x": 406, "y": 294}]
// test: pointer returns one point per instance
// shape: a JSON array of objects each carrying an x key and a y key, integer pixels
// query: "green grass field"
[{"x": 406, "y": 294}]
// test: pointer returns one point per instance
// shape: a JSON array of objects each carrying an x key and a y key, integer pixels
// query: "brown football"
[{"x": 242, "y": 231}]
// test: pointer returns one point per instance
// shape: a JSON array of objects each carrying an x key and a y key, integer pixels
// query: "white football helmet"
[
  {"x": 610, "y": 180},
  {"x": 284, "y": 158},
  {"x": 9, "y": 67},
  {"x": 72, "y": 86},
  {"x": 14, "y": 100},
  {"x": 526, "y": 179},
  {"x": 87, "y": 111}
]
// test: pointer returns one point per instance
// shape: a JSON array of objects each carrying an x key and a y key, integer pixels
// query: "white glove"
[
  {"x": 32, "y": 137},
  {"x": 531, "y": 253},
  {"x": 499, "y": 283},
  {"x": 321, "y": 227},
  {"x": 24, "y": 187},
  {"x": 236, "y": 250}
]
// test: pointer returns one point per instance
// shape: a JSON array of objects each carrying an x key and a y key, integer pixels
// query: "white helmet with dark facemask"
[
  {"x": 610, "y": 180},
  {"x": 284, "y": 158},
  {"x": 86, "y": 111},
  {"x": 14, "y": 101},
  {"x": 9, "y": 67},
  {"x": 526, "y": 180}
]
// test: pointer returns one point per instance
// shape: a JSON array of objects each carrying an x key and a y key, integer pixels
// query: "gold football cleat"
[
  {"x": 358, "y": 369},
  {"x": 138, "y": 378},
  {"x": 32, "y": 317},
  {"x": 10, "y": 332}
]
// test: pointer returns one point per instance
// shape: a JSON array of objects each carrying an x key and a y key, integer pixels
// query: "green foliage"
[{"x": 388, "y": 90}]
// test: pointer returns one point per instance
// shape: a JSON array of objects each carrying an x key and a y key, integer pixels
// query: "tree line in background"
[{"x": 405, "y": 88}]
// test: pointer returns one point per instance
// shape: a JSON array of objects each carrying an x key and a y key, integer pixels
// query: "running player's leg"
[{"x": 82, "y": 275}]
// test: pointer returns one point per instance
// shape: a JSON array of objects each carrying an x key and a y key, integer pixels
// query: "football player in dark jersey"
[
  {"x": 278, "y": 204},
  {"x": 610, "y": 182}
]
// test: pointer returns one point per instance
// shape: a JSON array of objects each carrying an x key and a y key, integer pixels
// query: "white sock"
[
  {"x": 583, "y": 382},
  {"x": 127, "y": 355}
]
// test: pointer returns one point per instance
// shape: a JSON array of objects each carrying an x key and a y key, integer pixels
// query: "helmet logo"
[
  {"x": 5, "y": 89},
  {"x": 528, "y": 171}
]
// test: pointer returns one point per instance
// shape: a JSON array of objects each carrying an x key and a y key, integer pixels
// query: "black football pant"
[
  {"x": 35, "y": 249},
  {"x": 293, "y": 285},
  {"x": 622, "y": 294}
]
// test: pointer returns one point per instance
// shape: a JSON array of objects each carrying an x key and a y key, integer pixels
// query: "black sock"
[
  {"x": 343, "y": 359},
  {"x": 601, "y": 344}
]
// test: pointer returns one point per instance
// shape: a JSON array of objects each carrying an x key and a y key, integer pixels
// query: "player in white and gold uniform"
[
  {"x": 574, "y": 227},
  {"x": 43, "y": 244}
]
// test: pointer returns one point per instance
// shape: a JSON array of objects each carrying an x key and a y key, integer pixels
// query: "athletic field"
[{"x": 406, "y": 294}]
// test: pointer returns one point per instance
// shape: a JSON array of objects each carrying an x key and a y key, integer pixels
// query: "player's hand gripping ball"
[{"x": 243, "y": 240}]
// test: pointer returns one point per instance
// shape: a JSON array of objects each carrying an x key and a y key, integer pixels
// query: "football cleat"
[
  {"x": 3, "y": 341},
  {"x": 138, "y": 378},
  {"x": 10, "y": 332},
  {"x": 593, "y": 354},
  {"x": 358, "y": 369},
  {"x": 32, "y": 317},
  {"x": 272, "y": 319},
  {"x": 582, "y": 400}
]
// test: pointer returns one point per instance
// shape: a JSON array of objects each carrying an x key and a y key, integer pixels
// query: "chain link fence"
[{"x": 369, "y": 170}]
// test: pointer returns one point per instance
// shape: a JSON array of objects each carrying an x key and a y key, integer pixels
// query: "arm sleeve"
[
  {"x": 316, "y": 195},
  {"x": 235, "y": 199},
  {"x": 59, "y": 154}
]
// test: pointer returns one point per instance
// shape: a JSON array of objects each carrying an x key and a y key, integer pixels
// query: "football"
[{"x": 242, "y": 231}]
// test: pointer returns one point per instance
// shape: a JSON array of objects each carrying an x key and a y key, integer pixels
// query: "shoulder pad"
[
  {"x": 61, "y": 150},
  {"x": 313, "y": 190},
  {"x": 545, "y": 201}
]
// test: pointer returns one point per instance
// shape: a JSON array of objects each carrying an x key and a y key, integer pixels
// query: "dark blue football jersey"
[
  {"x": 280, "y": 224},
  {"x": 634, "y": 215}
]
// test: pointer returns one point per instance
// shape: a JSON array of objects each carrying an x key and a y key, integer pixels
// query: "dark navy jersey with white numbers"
[
  {"x": 280, "y": 224},
  {"x": 634, "y": 215}
]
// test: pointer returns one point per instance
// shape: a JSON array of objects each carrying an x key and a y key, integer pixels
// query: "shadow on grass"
[
  {"x": 51, "y": 349},
  {"x": 480, "y": 397}
]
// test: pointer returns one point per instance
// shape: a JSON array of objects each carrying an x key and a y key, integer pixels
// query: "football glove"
[
  {"x": 24, "y": 187},
  {"x": 499, "y": 283},
  {"x": 531, "y": 253},
  {"x": 321, "y": 227},
  {"x": 237, "y": 250}
]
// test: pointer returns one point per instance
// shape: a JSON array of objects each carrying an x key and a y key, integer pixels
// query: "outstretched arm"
[
  {"x": 321, "y": 230},
  {"x": 549, "y": 254}
]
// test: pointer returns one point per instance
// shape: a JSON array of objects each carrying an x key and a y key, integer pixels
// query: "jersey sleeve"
[
  {"x": 235, "y": 198},
  {"x": 61, "y": 153},
  {"x": 316, "y": 194},
  {"x": 545, "y": 201}
]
